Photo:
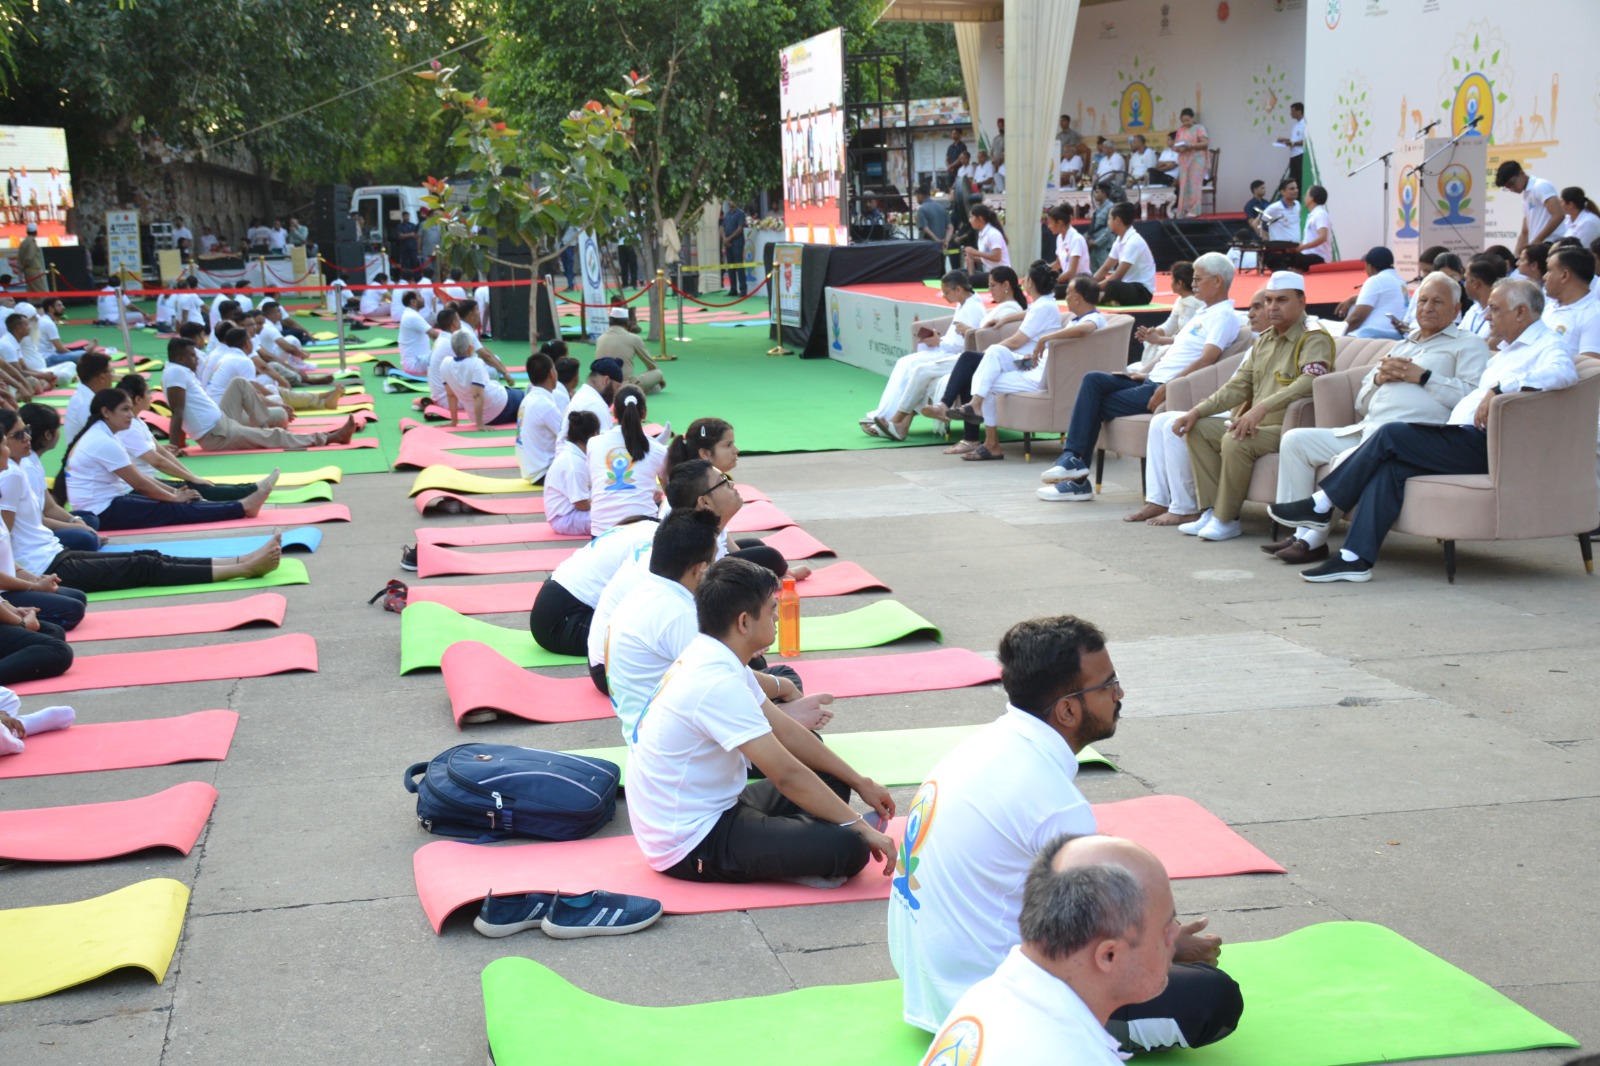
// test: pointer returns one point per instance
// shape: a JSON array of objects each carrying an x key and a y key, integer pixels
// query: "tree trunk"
[{"x": 649, "y": 259}]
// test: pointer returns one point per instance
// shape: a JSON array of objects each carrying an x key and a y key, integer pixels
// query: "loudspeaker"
[
  {"x": 508, "y": 307},
  {"x": 73, "y": 268},
  {"x": 1188, "y": 238},
  {"x": 349, "y": 259},
  {"x": 330, "y": 216}
]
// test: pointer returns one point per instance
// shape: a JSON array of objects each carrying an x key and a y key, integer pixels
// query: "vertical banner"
[
  {"x": 1454, "y": 195},
  {"x": 812, "y": 131},
  {"x": 122, "y": 244},
  {"x": 595, "y": 317},
  {"x": 1405, "y": 212},
  {"x": 786, "y": 262}
]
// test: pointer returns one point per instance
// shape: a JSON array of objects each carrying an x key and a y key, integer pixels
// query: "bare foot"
[
  {"x": 252, "y": 503},
  {"x": 936, "y": 411},
  {"x": 799, "y": 573},
  {"x": 334, "y": 398},
  {"x": 810, "y": 711},
  {"x": 1145, "y": 513},
  {"x": 1170, "y": 519},
  {"x": 344, "y": 433},
  {"x": 265, "y": 559}
]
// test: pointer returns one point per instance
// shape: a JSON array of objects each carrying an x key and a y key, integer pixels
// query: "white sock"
[
  {"x": 1320, "y": 501},
  {"x": 10, "y": 744},
  {"x": 1349, "y": 556},
  {"x": 43, "y": 721},
  {"x": 1314, "y": 538}
]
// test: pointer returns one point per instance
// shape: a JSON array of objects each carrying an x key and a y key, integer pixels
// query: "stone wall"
[{"x": 203, "y": 194}]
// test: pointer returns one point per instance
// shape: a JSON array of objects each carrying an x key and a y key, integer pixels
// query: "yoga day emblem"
[
  {"x": 918, "y": 822},
  {"x": 959, "y": 1045},
  {"x": 619, "y": 471}
]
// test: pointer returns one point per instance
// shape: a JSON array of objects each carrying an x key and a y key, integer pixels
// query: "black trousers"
[
  {"x": 29, "y": 656},
  {"x": 765, "y": 837},
  {"x": 627, "y": 266},
  {"x": 738, "y": 283},
  {"x": 112, "y": 571},
  {"x": 213, "y": 493},
  {"x": 560, "y": 621},
  {"x": 1126, "y": 293},
  {"x": 64, "y": 607},
  {"x": 752, "y": 549},
  {"x": 958, "y": 389},
  {"x": 1202, "y": 1001}
]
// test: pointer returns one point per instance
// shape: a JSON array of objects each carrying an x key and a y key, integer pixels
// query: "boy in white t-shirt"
[{"x": 1128, "y": 276}]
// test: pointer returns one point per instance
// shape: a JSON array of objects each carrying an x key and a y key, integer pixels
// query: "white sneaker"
[
  {"x": 1193, "y": 529},
  {"x": 1219, "y": 530}
]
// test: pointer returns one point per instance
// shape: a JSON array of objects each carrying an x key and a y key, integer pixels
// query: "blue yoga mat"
[
  {"x": 305, "y": 538},
  {"x": 738, "y": 325}
]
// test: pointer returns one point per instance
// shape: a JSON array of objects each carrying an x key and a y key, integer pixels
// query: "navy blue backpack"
[{"x": 497, "y": 791}]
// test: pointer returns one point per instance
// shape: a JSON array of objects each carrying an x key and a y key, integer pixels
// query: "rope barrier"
[
  {"x": 714, "y": 267},
  {"x": 276, "y": 290},
  {"x": 735, "y": 303}
]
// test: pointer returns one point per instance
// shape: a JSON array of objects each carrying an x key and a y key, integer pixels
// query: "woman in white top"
[
  {"x": 158, "y": 462},
  {"x": 991, "y": 251},
  {"x": 625, "y": 465},
  {"x": 1005, "y": 289},
  {"x": 100, "y": 478},
  {"x": 892, "y": 415},
  {"x": 1187, "y": 306},
  {"x": 1583, "y": 217},
  {"x": 566, "y": 483},
  {"x": 469, "y": 384}
]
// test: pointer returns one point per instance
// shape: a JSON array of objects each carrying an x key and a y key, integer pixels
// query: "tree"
[
  {"x": 531, "y": 193},
  {"x": 714, "y": 66}
]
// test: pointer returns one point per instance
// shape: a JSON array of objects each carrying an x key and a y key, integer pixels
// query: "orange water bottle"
[{"x": 788, "y": 620}]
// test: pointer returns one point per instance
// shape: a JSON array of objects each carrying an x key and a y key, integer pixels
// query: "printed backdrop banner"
[
  {"x": 786, "y": 262},
  {"x": 870, "y": 331},
  {"x": 811, "y": 99},
  {"x": 596, "y": 312},
  {"x": 122, "y": 244},
  {"x": 37, "y": 185}
]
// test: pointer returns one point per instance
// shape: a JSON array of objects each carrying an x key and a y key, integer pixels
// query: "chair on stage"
[{"x": 1050, "y": 410}]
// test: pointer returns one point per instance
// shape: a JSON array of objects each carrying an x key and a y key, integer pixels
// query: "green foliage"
[{"x": 932, "y": 60}]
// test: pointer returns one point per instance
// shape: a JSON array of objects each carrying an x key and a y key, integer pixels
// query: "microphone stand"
[
  {"x": 1472, "y": 127},
  {"x": 1385, "y": 160}
]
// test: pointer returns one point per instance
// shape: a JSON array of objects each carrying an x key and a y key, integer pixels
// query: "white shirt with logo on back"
[{"x": 620, "y": 485}]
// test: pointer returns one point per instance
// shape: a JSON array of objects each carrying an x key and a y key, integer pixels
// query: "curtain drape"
[
  {"x": 1038, "y": 42},
  {"x": 967, "y": 46}
]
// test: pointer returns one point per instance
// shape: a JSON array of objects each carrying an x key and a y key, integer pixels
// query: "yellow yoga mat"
[
  {"x": 452, "y": 480},
  {"x": 321, "y": 359},
  {"x": 342, "y": 409},
  {"x": 286, "y": 480},
  {"x": 46, "y": 949}
]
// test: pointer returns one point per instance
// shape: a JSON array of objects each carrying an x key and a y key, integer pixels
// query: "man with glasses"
[
  {"x": 1140, "y": 388},
  {"x": 987, "y": 809}
]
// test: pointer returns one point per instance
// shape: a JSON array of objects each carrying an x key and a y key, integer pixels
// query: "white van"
[{"x": 378, "y": 209}]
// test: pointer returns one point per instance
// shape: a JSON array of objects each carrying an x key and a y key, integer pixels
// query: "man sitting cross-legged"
[
  {"x": 988, "y": 808},
  {"x": 1104, "y": 396},
  {"x": 1423, "y": 377},
  {"x": 694, "y": 812},
  {"x": 241, "y": 419}
]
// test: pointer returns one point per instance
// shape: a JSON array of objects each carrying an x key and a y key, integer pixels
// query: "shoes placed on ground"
[
  {"x": 1192, "y": 529},
  {"x": 408, "y": 557},
  {"x": 1066, "y": 491},
  {"x": 1337, "y": 569},
  {"x": 1299, "y": 553},
  {"x": 1068, "y": 468},
  {"x": 1299, "y": 513},
  {"x": 1278, "y": 545},
  {"x": 1217, "y": 529},
  {"x": 599, "y": 914},
  {"x": 504, "y": 915}
]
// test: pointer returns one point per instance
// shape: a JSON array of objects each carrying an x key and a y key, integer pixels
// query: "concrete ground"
[{"x": 1415, "y": 754}]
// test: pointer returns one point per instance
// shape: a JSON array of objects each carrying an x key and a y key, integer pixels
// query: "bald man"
[{"x": 1099, "y": 929}]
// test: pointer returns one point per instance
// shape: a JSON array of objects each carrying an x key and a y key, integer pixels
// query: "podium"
[{"x": 1440, "y": 199}]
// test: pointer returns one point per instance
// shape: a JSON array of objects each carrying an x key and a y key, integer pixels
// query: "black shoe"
[
  {"x": 1300, "y": 513},
  {"x": 1337, "y": 569},
  {"x": 408, "y": 557}
]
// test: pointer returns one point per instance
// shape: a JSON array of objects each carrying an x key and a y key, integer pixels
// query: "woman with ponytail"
[
  {"x": 625, "y": 466},
  {"x": 566, "y": 483},
  {"x": 44, "y": 432},
  {"x": 99, "y": 477}
]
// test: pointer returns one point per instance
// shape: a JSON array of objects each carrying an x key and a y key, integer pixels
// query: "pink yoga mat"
[
  {"x": 758, "y": 515},
  {"x": 426, "y": 455},
  {"x": 515, "y": 597},
  {"x": 169, "y": 819},
  {"x": 364, "y": 442},
  {"x": 446, "y": 437},
  {"x": 176, "y": 621},
  {"x": 479, "y": 678},
  {"x": 433, "y": 561},
  {"x": 497, "y": 533},
  {"x": 308, "y": 514},
  {"x": 525, "y": 504},
  {"x": 795, "y": 543},
  {"x": 219, "y": 662},
  {"x": 1188, "y": 839},
  {"x": 125, "y": 745}
]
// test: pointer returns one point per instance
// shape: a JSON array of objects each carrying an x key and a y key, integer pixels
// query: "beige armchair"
[{"x": 1050, "y": 410}]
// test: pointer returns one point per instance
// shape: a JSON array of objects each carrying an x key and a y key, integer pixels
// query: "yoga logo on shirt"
[
  {"x": 960, "y": 1044},
  {"x": 918, "y": 821},
  {"x": 619, "y": 471}
]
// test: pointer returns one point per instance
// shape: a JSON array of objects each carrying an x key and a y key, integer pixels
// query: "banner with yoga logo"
[
  {"x": 786, "y": 264},
  {"x": 596, "y": 311}
]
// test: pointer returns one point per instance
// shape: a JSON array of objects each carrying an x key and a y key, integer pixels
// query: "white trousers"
[
  {"x": 935, "y": 360},
  {"x": 1168, "y": 477},
  {"x": 998, "y": 374},
  {"x": 1300, "y": 453}
]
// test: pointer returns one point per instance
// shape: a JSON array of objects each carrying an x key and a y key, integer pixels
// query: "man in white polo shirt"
[
  {"x": 1542, "y": 213},
  {"x": 416, "y": 336},
  {"x": 1098, "y": 931},
  {"x": 1572, "y": 310},
  {"x": 1103, "y": 396},
  {"x": 988, "y": 808},
  {"x": 1128, "y": 276},
  {"x": 594, "y": 395},
  {"x": 694, "y": 813},
  {"x": 541, "y": 418},
  {"x": 1382, "y": 301}
]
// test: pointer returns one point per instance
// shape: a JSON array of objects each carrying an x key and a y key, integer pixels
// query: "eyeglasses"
[
  {"x": 1115, "y": 683},
  {"x": 725, "y": 482},
  {"x": 19, "y": 434}
]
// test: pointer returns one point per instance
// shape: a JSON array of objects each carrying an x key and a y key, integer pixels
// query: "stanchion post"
[
  {"x": 679, "y": 265},
  {"x": 55, "y": 277},
  {"x": 122, "y": 316},
  {"x": 661, "y": 287},
  {"x": 339, "y": 317},
  {"x": 775, "y": 315}
]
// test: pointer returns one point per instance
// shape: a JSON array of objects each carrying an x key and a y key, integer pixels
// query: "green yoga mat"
[
  {"x": 427, "y": 629},
  {"x": 890, "y": 757},
  {"x": 317, "y": 490},
  {"x": 1335, "y": 994},
  {"x": 289, "y": 572}
]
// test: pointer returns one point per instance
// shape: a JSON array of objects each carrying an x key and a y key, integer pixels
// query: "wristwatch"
[{"x": 1426, "y": 374}]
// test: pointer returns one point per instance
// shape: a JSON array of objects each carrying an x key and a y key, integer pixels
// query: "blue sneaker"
[
  {"x": 599, "y": 914},
  {"x": 504, "y": 915},
  {"x": 1069, "y": 467},
  {"x": 1067, "y": 491}
]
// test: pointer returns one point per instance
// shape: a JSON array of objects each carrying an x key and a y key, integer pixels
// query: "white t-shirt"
[
  {"x": 138, "y": 441},
  {"x": 187, "y": 308},
  {"x": 440, "y": 354},
  {"x": 1283, "y": 221},
  {"x": 645, "y": 634},
  {"x": 1070, "y": 243},
  {"x": 619, "y": 484},
  {"x": 585, "y": 572},
  {"x": 685, "y": 767},
  {"x": 1318, "y": 219},
  {"x": 566, "y": 482},
  {"x": 200, "y": 411},
  {"x": 216, "y": 303},
  {"x": 1385, "y": 293},
  {"x": 267, "y": 340},
  {"x": 974, "y": 827},
  {"x": 539, "y": 426},
  {"x": 1476, "y": 320},
  {"x": 106, "y": 307},
  {"x": 414, "y": 345},
  {"x": 1131, "y": 248},
  {"x": 77, "y": 415},
  {"x": 1298, "y": 133},
  {"x": 49, "y": 332},
  {"x": 1216, "y": 324},
  {"x": 624, "y": 581},
  {"x": 91, "y": 479},
  {"x": 990, "y": 240},
  {"x": 461, "y": 375},
  {"x": 396, "y": 308},
  {"x": 10, "y": 349},
  {"x": 227, "y": 364},
  {"x": 1533, "y": 197},
  {"x": 278, "y": 237},
  {"x": 587, "y": 399},
  {"x": 1107, "y": 165},
  {"x": 32, "y": 542},
  {"x": 1586, "y": 227},
  {"x": 1042, "y": 316},
  {"x": 164, "y": 312},
  {"x": 372, "y": 300},
  {"x": 1141, "y": 163},
  {"x": 1168, "y": 155},
  {"x": 1022, "y": 1015},
  {"x": 1578, "y": 323},
  {"x": 969, "y": 314}
]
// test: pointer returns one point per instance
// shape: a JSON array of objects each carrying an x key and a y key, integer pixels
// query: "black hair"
[
  {"x": 39, "y": 419},
  {"x": 688, "y": 482},
  {"x": 1448, "y": 261},
  {"x": 1486, "y": 268},
  {"x": 685, "y": 540},
  {"x": 1085, "y": 287},
  {"x": 1041, "y": 660},
  {"x": 1125, "y": 212},
  {"x": 1062, "y": 213},
  {"x": 1187, "y": 112},
  {"x": 1043, "y": 277},
  {"x": 1183, "y": 271},
  {"x": 92, "y": 365},
  {"x": 446, "y": 318},
  {"x": 189, "y": 331},
  {"x": 1538, "y": 254},
  {"x": 13, "y": 319},
  {"x": 985, "y": 212},
  {"x": 103, "y": 400},
  {"x": 227, "y": 307},
  {"x": 466, "y": 307},
  {"x": 554, "y": 349},
  {"x": 8, "y": 420},
  {"x": 1431, "y": 254},
  {"x": 267, "y": 306},
  {"x": 1317, "y": 193},
  {"x": 1574, "y": 194},
  {"x": 178, "y": 346},
  {"x": 538, "y": 367},
  {"x": 628, "y": 406},
  {"x": 411, "y": 298},
  {"x": 1577, "y": 260},
  {"x": 703, "y": 433},
  {"x": 958, "y": 278},
  {"x": 581, "y": 425},
  {"x": 134, "y": 385},
  {"x": 234, "y": 336},
  {"x": 1259, "y": 182},
  {"x": 732, "y": 587},
  {"x": 567, "y": 368},
  {"x": 1009, "y": 277},
  {"x": 1506, "y": 173},
  {"x": 1504, "y": 254}
]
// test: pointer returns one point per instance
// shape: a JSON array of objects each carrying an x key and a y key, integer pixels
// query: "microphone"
[
  {"x": 1475, "y": 121},
  {"x": 1423, "y": 131}
]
